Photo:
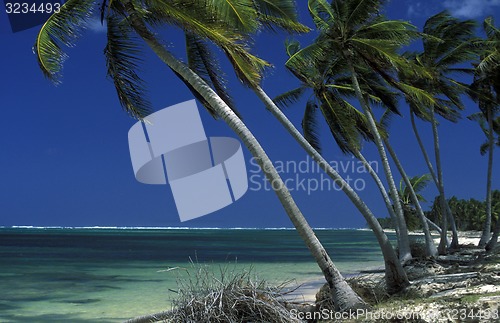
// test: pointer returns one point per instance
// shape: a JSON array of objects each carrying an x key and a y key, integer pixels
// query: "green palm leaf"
[
  {"x": 239, "y": 14},
  {"x": 321, "y": 12},
  {"x": 310, "y": 125},
  {"x": 279, "y": 13},
  {"x": 61, "y": 29},
  {"x": 122, "y": 60},
  {"x": 204, "y": 63},
  {"x": 290, "y": 97}
]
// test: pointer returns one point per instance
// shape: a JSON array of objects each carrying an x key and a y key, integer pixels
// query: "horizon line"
[{"x": 163, "y": 228}]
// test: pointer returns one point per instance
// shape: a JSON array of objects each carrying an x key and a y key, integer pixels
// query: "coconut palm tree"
[
  {"x": 411, "y": 196},
  {"x": 417, "y": 184},
  {"x": 345, "y": 125},
  {"x": 486, "y": 91},
  {"x": 355, "y": 32},
  {"x": 447, "y": 44},
  {"x": 409, "y": 193},
  {"x": 128, "y": 18}
]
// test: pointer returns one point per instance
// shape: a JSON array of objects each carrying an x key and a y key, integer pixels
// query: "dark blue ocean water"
[{"x": 108, "y": 275}]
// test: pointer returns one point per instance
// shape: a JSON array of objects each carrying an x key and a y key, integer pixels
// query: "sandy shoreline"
[{"x": 306, "y": 292}]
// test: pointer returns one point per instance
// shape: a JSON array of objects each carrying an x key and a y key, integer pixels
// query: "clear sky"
[{"x": 64, "y": 157}]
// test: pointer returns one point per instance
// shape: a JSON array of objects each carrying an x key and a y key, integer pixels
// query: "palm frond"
[
  {"x": 238, "y": 14},
  {"x": 248, "y": 68},
  {"x": 418, "y": 183},
  {"x": 310, "y": 125},
  {"x": 122, "y": 60},
  {"x": 292, "y": 46},
  {"x": 303, "y": 62},
  {"x": 194, "y": 19},
  {"x": 321, "y": 13},
  {"x": 491, "y": 60},
  {"x": 416, "y": 94},
  {"x": 204, "y": 63},
  {"x": 360, "y": 11},
  {"x": 385, "y": 119},
  {"x": 281, "y": 14},
  {"x": 290, "y": 97},
  {"x": 61, "y": 29}
]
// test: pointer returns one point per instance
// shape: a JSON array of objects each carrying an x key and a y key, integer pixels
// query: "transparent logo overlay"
[{"x": 205, "y": 174}]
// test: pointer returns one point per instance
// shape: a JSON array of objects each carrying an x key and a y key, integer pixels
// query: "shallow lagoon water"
[{"x": 109, "y": 275}]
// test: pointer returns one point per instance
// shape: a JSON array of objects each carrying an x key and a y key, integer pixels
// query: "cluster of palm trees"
[
  {"x": 356, "y": 56},
  {"x": 470, "y": 214}
]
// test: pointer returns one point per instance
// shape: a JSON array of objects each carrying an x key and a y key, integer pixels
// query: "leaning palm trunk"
[
  {"x": 404, "y": 241},
  {"x": 380, "y": 185},
  {"x": 430, "y": 248},
  {"x": 382, "y": 190},
  {"x": 486, "y": 235},
  {"x": 344, "y": 297},
  {"x": 395, "y": 275},
  {"x": 442, "y": 199},
  {"x": 445, "y": 210},
  {"x": 434, "y": 225}
]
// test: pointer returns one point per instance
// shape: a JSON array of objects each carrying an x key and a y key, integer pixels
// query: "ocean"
[{"x": 112, "y": 274}]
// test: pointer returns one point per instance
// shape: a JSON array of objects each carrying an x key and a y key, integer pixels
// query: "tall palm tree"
[
  {"x": 409, "y": 194},
  {"x": 345, "y": 132},
  {"x": 127, "y": 18},
  {"x": 447, "y": 44},
  {"x": 355, "y": 32},
  {"x": 486, "y": 91},
  {"x": 331, "y": 87},
  {"x": 414, "y": 199}
]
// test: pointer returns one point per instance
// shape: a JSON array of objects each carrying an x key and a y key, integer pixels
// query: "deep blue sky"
[{"x": 65, "y": 159}]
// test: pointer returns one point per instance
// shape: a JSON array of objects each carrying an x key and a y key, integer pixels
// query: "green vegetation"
[{"x": 469, "y": 214}]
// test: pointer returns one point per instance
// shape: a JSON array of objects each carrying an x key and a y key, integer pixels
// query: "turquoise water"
[{"x": 109, "y": 275}]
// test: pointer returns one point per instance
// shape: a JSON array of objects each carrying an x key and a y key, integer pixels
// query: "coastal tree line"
[
  {"x": 470, "y": 214},
  {"x": 359, "y": 62}
]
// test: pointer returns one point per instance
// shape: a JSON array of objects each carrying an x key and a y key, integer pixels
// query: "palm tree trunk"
[
  {"x": 395, "y": 275},
  {"x": 430, "y": 248},
  {"x": 404, "y": 243},
  {"x": 494, "y": 237},
  {"x": 383, "y": 191},
  {"x": 343, "y": 295},
  {"x": 422, "y": 148},
  {"x": 486, "y": 235},
  {"x": 444, "y": 204},
  {"x": 442, "y": 199},
  {"x": 434, "y": 225},
  {"x": 447, "y": 211}
]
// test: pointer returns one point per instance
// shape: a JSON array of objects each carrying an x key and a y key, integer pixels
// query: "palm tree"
[
  {"x": 486, "y": 90},
  {"x": 331, "y": 86},
  {"x": 128, "y": 18},
  {"x": 355, "y": 32},
  {"x": 344, "y": 130},
  {"x": 417, "y": 184},
  {"x": 447, "y": 44},
  {"x": 409, "y": 195}
]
